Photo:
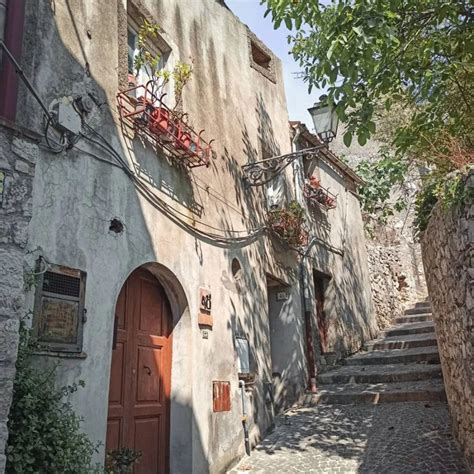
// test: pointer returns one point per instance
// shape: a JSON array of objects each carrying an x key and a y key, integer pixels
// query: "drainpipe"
[
  {"x": 296, "y": 165},
  {"x": 310, "y": 359},
  {"x": 244, "y": 417}
]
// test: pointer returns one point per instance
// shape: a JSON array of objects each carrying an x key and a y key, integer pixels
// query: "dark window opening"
[{"x": 260, "y": 57}]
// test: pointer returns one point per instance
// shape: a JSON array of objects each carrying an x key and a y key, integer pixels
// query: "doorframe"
[{"x": 181, "y": 391}]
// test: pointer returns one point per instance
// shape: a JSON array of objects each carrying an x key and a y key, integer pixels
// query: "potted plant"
[
  {"x": 121, "y": 461},
  {"x": 289, "y": 222}
]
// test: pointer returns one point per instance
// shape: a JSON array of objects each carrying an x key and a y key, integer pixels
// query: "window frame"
[
  {"x": 267, "y": 71},
  {"x": 13, "y": 38},
  {"x": 155, "y": 47},
  {"x": 40, "y": 293}
]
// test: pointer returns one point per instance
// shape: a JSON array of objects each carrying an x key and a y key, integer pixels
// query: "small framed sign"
[
  {"x": 205, "y": 306},
  {"x": 282, "y": 295}
]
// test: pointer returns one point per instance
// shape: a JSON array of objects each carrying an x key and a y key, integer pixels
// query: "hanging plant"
[{"x": 289, "y": 223}]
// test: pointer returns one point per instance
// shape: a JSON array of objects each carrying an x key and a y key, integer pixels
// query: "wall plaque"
[{"x": 205, "y": 306}]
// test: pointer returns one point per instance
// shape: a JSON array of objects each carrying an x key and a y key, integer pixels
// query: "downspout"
[
  {"x": 244, "y": 417},
  {"x": 310, "y": 359},
  {"x": 304, "y": 290}
]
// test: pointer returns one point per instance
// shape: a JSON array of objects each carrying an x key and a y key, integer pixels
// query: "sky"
[{"x": 298, "y": 100}]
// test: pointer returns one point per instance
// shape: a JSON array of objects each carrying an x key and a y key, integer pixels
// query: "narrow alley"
[{"x": 350, "y": 425}]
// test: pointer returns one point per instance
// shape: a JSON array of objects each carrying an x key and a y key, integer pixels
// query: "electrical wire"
[{"x": 171, "y": 212}]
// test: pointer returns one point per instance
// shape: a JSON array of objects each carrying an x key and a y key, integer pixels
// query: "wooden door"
[
  {"x": 320, "y": 314},
  {"x": 140, "y": 380}
]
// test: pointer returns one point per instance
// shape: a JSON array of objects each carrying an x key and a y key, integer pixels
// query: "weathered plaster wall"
[
  {"x": 339, "y": 252},
  {"x": 71, "y": 50},
  {"x": 448, "y": 256},
  {"x": 17, "y": 164}
]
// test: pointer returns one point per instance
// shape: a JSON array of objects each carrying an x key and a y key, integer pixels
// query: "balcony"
[
  {"x": 318, "y": 195},
  {"x": 145, "y": 113},
  {"x": 289, "y": 224}
]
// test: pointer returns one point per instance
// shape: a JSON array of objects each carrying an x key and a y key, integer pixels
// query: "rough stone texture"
[
  {"x": 395, "y": 262},
  {"x": 384, "y": 268},
  {"x": 395, "y": 438},
  {"x": 448, "y": 256},
  {"x": 17, "y": 162}
]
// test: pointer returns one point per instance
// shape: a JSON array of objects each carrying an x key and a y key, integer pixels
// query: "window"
[
  {"x": 261, "y": 58},
  {"x": 59, "y": 312},
  {"x": 276, "y": 192},
  {"x": 243, "y": 354},
  {"x": 155, "y": 49}
]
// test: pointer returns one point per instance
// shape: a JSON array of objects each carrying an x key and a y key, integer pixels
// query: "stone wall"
[
  {"x": 448, "y": 257},
  {"x": 17, "y": 164},
  {"x": 387, "y": 293}
]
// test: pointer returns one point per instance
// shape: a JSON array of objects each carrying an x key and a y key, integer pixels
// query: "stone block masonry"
[
  {"x": 17, "y": 166},
  {"x": 448, "y": 257}
]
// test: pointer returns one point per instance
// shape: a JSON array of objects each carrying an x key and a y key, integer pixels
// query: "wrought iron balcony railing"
[
  {"x": 319, "y": 195},
  {"x": 145, "y": 113}
]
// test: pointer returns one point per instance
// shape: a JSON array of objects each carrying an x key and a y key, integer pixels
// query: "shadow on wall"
[{"x": 82, "y": 177}]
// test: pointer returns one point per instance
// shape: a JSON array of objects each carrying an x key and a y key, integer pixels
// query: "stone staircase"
[{"x": 401, "y": 365}]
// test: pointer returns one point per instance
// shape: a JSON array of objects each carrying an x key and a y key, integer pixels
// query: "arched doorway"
[{"x": 140, "y": 379}]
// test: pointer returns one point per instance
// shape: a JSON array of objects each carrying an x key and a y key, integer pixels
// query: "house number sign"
[{"x": 205, "y": 306}]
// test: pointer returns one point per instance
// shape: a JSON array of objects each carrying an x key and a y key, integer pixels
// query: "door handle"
[{"x": 148, "y": 370}]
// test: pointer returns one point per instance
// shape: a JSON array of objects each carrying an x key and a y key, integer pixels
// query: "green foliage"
[
  {"x": 44, "y": 431},
  {"x": 151, "y": 63},
  {"x": 408, "y": 64},
  {"x": 449, "y": 190},
  {"x": 415, "y": 52},
  {"x": 122, "y": 461},
  {"x": 381, "y": 177}
]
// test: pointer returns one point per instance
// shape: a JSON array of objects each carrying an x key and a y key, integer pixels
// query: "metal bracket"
[{"x": 262, "y": 172}]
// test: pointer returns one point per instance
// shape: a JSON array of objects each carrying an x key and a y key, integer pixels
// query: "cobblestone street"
[{"x": 411, "y": 437}]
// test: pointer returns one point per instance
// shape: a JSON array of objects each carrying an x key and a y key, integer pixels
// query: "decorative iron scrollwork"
[{"x": 262, "y": 172}]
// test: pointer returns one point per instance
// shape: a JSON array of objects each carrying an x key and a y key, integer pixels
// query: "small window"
[
  {"x": 142, "y": 76},
  {"x": 59, "y": 312},
  {"x": 260, "y": 57}
]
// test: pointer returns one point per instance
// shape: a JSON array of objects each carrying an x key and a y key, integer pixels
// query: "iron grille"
[{"x": 62, "y": 284}]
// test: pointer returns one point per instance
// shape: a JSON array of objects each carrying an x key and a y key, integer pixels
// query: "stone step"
[
  {"x": 420, "y": 310},
  {"x": 402, "y": 342},
  {"x": 426, "y": 390},
  {"x": 409, "y": 328},
  {"x": 415, "y": 318},
  {"x": 350, "y": 374},
  {"x": 428, "y": 355},
  {"x": 423, "y": 304}
]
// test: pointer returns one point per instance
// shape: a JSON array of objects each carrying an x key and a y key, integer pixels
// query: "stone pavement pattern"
[
  {"x": 410, "y": 437},
  {"x": 348, "y": 426}
]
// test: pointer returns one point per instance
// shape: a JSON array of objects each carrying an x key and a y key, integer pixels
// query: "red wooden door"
[{"x": 140, "y": 379}]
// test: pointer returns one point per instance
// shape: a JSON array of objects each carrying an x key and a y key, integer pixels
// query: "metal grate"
[{"x": 61, "y": 284}]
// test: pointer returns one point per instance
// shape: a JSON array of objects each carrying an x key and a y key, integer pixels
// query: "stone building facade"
[
  {"x": 160, "y": 284},
  {"x": 394, "y": 253},
  {"x": 447, "y": 246}
]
